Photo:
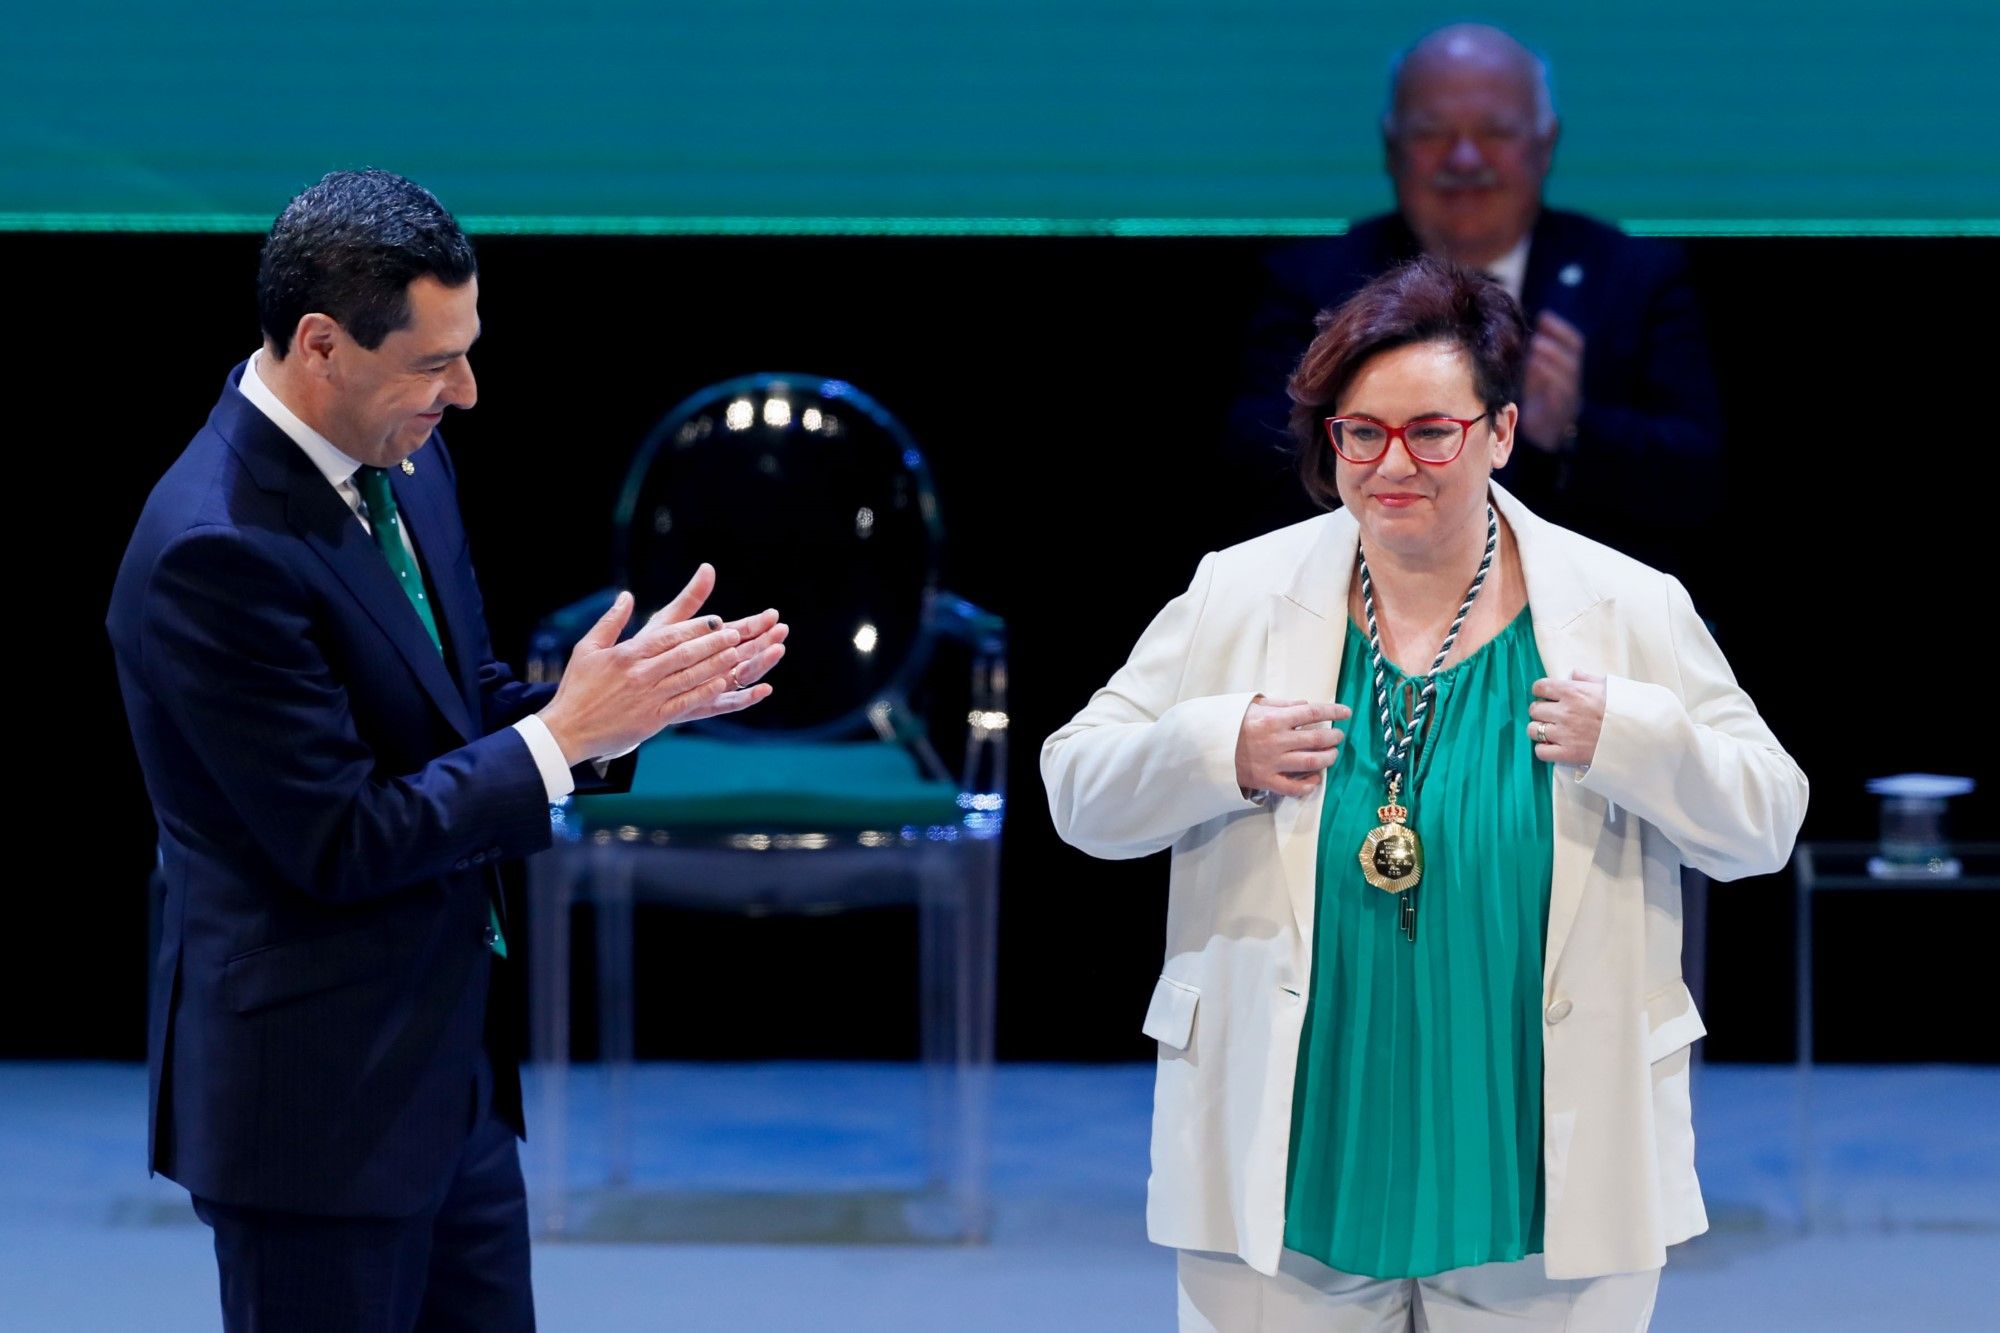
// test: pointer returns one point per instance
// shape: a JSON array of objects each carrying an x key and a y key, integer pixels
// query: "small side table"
[{"x": 1827, "y": 867}]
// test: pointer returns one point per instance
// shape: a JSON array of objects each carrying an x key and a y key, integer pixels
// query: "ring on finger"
[{"x": 1543, "y": 738}]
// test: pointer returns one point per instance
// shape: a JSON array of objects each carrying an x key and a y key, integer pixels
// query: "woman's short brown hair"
[{"x": 1424, "y": 300}]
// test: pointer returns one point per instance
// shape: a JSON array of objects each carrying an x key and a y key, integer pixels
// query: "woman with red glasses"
[{"x": 1429, "y": 767}]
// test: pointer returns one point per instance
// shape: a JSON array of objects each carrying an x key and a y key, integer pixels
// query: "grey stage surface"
[{"x": 1909, "y": 1236}]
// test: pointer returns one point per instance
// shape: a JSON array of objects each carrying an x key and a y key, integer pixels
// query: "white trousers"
[{"x": 1222, "y": 1294}]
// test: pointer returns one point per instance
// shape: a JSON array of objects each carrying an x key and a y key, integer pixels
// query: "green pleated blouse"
[{"x": 1417, "y": 1114}]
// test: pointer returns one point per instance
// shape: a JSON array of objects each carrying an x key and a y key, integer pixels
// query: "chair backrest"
[{"x": 805, "y": 495}]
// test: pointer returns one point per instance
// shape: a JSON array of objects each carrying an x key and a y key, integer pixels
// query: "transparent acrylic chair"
[{"x": 808, "y": 496}]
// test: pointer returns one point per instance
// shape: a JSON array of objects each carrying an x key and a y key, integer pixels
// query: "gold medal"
[{"x": 1392, "y": 856}]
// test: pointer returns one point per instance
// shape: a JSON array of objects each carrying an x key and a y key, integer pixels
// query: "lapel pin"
[
  {"x": 1571, "y": 275},
  {"x": 410, "y": 469}
]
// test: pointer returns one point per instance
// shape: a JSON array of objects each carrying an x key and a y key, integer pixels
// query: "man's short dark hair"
[
  {"x": 1425, "y": 300},
  {"x": 349, "y": 248}
]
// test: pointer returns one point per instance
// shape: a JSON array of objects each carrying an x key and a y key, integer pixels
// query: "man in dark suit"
[
  {"x": 1620, "y": 422},
  {"x": 338, "y": 764}
]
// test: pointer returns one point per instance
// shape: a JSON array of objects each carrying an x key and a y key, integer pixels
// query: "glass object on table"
[{"x": 1913, "y": 834}]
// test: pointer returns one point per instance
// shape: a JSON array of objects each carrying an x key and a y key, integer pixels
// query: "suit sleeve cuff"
[{"x": 556, "y": 777}]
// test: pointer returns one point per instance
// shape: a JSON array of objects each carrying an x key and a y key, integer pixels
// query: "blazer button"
[
  {"x": 490, "y": 936},
  {"x": 1559, "y": 1011},
  {"x": 460, "y": 864}
]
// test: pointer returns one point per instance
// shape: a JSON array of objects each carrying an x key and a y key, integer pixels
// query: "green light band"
[
  {"x": 614, "y": 225},
  {"x": 1693, "y": 227}
]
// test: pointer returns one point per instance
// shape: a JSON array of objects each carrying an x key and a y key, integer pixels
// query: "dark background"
[{"x": 1068, "y": 393}]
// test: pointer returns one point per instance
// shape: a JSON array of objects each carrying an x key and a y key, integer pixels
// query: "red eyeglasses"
[{"x": 1432, "y": 440}]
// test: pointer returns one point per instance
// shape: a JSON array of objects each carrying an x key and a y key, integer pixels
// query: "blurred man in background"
[{"x": 1620, "y": 426}]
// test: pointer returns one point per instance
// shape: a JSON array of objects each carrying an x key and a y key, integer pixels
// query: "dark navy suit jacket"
[
  {"x": 1646, "y": 463},
  {"x": 333, "y": 798}
]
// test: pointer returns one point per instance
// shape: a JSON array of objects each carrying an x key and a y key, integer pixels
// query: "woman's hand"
[
  {"x": 1284, "y": 746},
  {"x": 1568, "y": 717}
]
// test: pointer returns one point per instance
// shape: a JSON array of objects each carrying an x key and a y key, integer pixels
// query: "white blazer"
[{"x": 1686, "y": 772}]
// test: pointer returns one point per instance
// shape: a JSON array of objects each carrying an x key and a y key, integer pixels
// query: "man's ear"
[
  {"x": 315, "y": 340},
  {"x": 1549, "y": 148}
]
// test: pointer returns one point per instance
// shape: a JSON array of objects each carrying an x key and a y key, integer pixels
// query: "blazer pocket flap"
[
  {"x": 1671, "y": 1021},
  {"x": 1170, "y": 1017},
  {"x": 280, "y": 972}
]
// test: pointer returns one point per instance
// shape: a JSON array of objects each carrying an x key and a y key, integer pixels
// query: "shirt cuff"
[{"x": 556, "y": 777}]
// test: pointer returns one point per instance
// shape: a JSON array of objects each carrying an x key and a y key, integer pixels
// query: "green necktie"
[
  {"x": 373, "y": 483},
  {"x": 387, "y": 524}
]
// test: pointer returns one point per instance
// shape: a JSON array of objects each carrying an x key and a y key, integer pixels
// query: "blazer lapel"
[
  {"x": 423, "y": 502},
  {"x": 1305, "y": 632},
  {"x": 324, "y": 522},
  {"x": 1546, "y": 259},
  {"x": 1572, "y": 622},
  {"x": 337, "y": 537}
]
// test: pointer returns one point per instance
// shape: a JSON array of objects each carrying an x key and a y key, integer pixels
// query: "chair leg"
[
  {"x": 982, "y": 957},
  {"x": 612, "y": 890},
  {"x": 551, "y": 888},
  {"x": 956, "y": 924},
  {"x": 938, "y": 1014}
]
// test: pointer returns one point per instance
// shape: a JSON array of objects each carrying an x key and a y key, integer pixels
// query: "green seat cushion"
[{"x": 694, "y": 782}]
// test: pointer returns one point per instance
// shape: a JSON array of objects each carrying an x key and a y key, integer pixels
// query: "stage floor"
[{"x": 1908, "y": 1235}]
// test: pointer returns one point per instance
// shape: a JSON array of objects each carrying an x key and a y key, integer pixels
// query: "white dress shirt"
[
  {"x": 339, "y": 470},
  {"x": 1511, "y": 269}
]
